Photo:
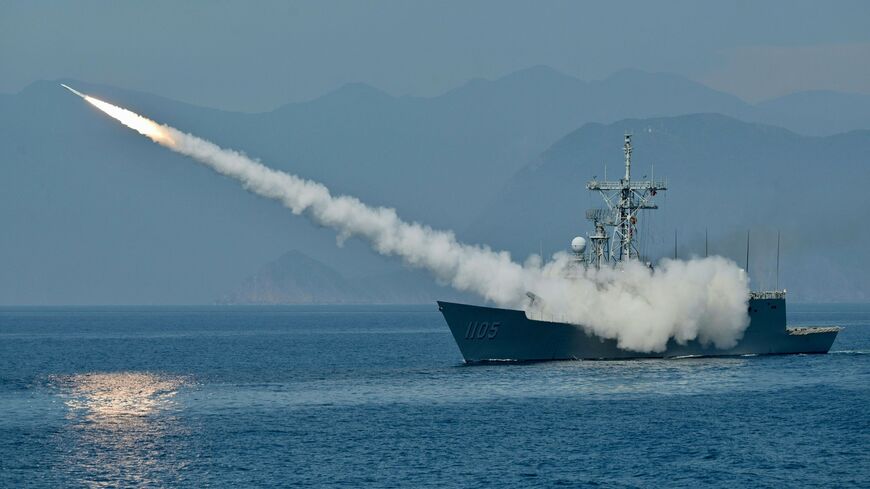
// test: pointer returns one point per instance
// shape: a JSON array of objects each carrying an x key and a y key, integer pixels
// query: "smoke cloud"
[{"x": 700, "y": 299}]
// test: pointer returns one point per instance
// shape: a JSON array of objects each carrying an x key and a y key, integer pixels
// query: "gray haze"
[
  {"x": 482, "y": 118},
  {"x": 93, "y": 213},
  {"x": 254, "y": 56}
]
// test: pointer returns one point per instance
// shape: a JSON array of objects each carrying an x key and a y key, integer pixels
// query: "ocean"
[{"x": 378, "y": 396}]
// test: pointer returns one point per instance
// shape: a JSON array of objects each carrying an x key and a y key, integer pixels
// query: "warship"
[{"x": 489, "y": 334}]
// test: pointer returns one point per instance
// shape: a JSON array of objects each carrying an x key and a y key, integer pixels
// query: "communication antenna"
[
  {"x": 706, "y": 244},
  {"x": 777, "y": 260},
  {"x": 747, "y": 252},
  {"x": 675, "y": 244}
]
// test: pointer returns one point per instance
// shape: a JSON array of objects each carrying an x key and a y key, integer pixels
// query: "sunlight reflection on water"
[
  {"x": 122, "y": 429},
  {"x": 110, "y": 397}
]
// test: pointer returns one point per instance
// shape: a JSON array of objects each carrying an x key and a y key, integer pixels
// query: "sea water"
[{"x": 378, "y": 396}]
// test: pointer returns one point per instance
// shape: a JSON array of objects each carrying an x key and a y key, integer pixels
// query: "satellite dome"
[{"x": 578, "y": 244}]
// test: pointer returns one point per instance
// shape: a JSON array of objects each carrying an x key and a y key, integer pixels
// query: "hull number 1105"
[{"x": 481, "y": 330}]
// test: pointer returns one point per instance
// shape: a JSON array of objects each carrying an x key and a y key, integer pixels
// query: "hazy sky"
[{"x": 257, "y": 55}]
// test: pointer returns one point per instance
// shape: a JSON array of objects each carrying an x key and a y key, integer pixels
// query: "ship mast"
[
  {"x": 626, "y": 226},
  {"x": 624, "y": 199}
]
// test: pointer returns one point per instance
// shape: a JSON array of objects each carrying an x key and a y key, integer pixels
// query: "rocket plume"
[{"x": 699, "y": 299}]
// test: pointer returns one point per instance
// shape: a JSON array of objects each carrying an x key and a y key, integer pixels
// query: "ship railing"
[
  {"x": 618, "y": 184},
  {"x": 601, "y": 215},
  {"x": 767, "y": 294},
  {"x": 808, "y": 330},
  {"x": 548, "y": 317}
]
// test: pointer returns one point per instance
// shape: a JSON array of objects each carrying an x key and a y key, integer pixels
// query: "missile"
[{"x": 73, "y": 90}]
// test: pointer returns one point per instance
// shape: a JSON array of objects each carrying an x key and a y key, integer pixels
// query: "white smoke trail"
[{"x": 703, "y": 299}]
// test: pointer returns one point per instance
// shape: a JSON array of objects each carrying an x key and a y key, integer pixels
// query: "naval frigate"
[{"x": 489, "y": 334}]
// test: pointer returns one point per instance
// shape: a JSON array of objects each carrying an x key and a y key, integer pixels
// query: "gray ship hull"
[{"x": 487, "y": 334}]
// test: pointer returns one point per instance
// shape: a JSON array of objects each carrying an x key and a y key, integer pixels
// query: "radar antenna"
[{"x": 624, "y": 199}]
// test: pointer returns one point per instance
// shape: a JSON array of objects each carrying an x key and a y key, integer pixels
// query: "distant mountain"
[
  {"x": 817, "y": 112},
  {"x": 93, "y": 213},
  {"x": 295, "y": 278},
  {"x": 725, "y": 176}
]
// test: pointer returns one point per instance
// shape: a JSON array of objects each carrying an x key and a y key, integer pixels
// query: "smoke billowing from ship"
[
  {"x": 701, "y": 298},
  {"x": 704, "y": 299}
]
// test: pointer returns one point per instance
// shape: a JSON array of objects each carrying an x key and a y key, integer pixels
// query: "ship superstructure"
[{"x": 494, "y": 334}]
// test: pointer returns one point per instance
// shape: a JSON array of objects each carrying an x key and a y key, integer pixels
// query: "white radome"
[{"x": 578, "y": 244}]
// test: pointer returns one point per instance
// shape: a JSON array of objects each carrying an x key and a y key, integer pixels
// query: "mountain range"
[{"x": 93, "y": 213}]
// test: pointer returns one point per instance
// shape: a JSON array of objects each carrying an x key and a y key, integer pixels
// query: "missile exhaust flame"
[
  {"x": 703, "y": 299},
  {"x": 156, "y": 132}
]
